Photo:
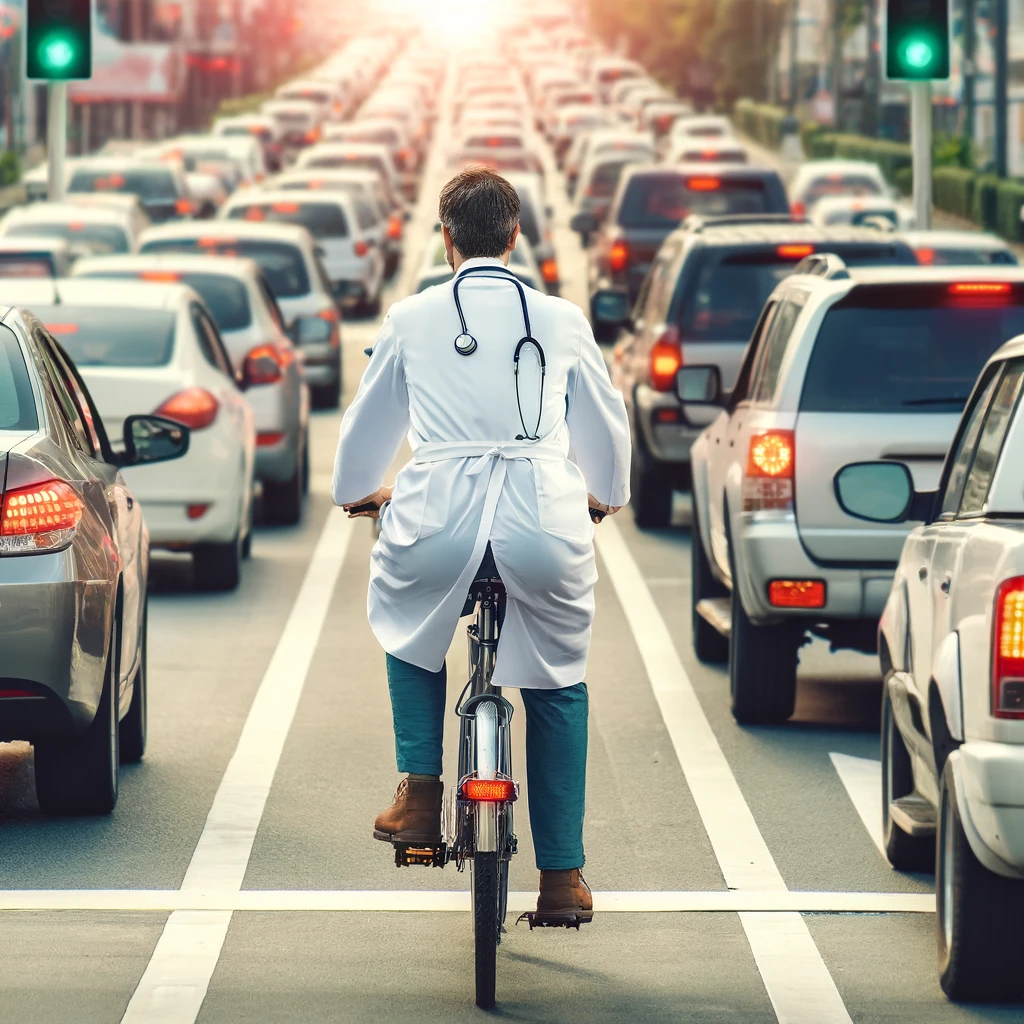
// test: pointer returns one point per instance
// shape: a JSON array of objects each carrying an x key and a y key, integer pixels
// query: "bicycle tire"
[{"x": 485, "y": 881}]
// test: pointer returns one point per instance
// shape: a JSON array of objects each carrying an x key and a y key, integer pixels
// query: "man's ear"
[{"x": 514, "y": 239}]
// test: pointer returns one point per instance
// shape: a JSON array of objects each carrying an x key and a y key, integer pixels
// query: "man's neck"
[{"x": 458, "y": 259}]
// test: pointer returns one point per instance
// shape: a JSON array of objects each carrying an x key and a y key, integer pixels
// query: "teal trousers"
[{"x": 556, "y": 753}]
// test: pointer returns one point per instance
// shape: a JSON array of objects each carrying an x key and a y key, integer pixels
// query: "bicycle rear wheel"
[{"x": 485, "y": 880}]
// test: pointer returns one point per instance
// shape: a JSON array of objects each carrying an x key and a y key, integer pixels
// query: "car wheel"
[
  {"x": 371, "y": 308},
  {"x": 905, "y": 852},
  {"x": 282, "y": 502},
  {"x": 132, "y": 739},
  {"x": 79, "y": 775},
  {"x": 218, "y": 566},
  {"x": 708, "y": 644},
  {"x": 603, "y": 332},
  {"x": 979, "y": 915},
  {"x": 249, "y": 524},
  {"x": 762, "y": 668},
  {"x": 651, "y": 492},
  {"x": 328, "y": 396}
]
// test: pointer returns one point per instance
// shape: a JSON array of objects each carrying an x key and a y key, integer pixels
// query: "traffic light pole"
[
  {"x": 921, "y": 149},
  {"x": 56, "y": 138}
]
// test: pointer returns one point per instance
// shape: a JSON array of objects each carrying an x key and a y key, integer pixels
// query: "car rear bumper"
[
  {"x": 276, "y": 462},
  {"x": 990, "y": 791},
  {"x": 664, "y": 442},
  {"x": 54, "y": 630},
  {"x": 770, "y": 549}
]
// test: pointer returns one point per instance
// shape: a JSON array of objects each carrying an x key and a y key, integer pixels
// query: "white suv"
[
  {"x": 951, "y": 644},
  {"x": 844, "y": 366}
]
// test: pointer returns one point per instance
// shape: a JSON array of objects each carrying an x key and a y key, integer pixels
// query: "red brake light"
[
  {"x": 394, "y": 226},
  {"x": 771, "y": 454},
  {"x": 796, "y": 593},
  {"x": 160, "y": 276},
  {"x": 184, "y": 207},
  {"x": 549, "y": 271},
  {"x": 666, "y": 358},
  {"x": 703, "y": 184},
  {"x": 331, "y": 315},
  {"x": 196, "y": 511},
  {"x": 213, "y": 243},
  {"x": 76, "y": 225},
  {"x": 970, "y": 288},
  {"x": 618, "y": 257},
  {"x": 926, "y": 257},
  {"x": 254, "y": 213},
  {"x": 490, "y": 790},
  {"x": 194, "y": 407},
  {"x": 1008, "y": 650},
  {"x": 794, "y": 252},
  {"x": 361, "y": 248},
  {"x": 708, "y": 154},
  {"x": 269, "y": 439},
  {"x": 40, "y": 517},
  {"x": 798, "y": 209},
  {"x": 265, "y": 364},
  {"x": 313, "y": 135},
  {"x": 285, "y": 207}
]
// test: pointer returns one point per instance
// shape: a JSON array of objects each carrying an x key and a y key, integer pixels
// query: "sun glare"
[{"x": 453, "y": 20}]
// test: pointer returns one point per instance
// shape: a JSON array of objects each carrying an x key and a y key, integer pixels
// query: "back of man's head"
[{"x": 480, "y": 209}]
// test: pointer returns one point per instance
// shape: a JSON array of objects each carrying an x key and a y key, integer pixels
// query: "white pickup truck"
[{"x": 951, "y": 643}]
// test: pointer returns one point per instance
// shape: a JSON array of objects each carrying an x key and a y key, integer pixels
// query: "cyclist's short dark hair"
[{"x": 480, "y": 209}]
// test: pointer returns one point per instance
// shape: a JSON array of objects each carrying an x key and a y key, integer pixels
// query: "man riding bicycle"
[{"x": 512, "y": 419}]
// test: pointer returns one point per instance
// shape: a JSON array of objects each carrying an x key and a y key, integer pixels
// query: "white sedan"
[
  {"x": 149, "y": 346},
  {"x": 951, "y": 644}
]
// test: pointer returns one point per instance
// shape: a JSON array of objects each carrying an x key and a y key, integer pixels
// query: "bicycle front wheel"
[{"x": 485, "y": 879}]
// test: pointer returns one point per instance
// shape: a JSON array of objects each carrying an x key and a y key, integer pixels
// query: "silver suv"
[{"x": 844, "y": 366}]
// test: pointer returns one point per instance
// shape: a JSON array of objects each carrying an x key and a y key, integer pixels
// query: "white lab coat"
[{"x": 471, "y": 482}]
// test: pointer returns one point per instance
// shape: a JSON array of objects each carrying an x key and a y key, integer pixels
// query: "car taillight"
[
  {"x": 313, "y": 136},
  {"x": 771, "y": 463},
  {"x": 973, "y": 288},
  {"x": 489, "y": 790},
  {"x": 796, "y": 593},
  {"x": 618, "y": 257},
  {"x": 797, "y": 209},
  {"x": 266, "y": 364},
  {"x": 926, "y": 257},
  {"x": 361, "y": 248},
  {"x": 184, "y": 207},
  {"x": 549, "y": 271},
  {"x": 333, "y": 317},
  {"x": 1008, "y": 650},
  {"x": 703, "y": 184},
  {"x": 195, "y": 408},
  {"x": 39, "y": 517},
  {"x": 394, "y": 226},
  {"x": 794, "y": 252},
  {"x": 666, "y": 358}
]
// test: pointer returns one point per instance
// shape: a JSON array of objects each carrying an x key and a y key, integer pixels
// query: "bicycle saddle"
[{"x": 487, "y": 573}]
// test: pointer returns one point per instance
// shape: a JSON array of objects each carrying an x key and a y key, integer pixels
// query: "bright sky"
[{"x": 448, "y": 19}]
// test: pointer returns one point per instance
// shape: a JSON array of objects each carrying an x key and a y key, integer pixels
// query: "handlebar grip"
[{"x": 597, "y": 515}]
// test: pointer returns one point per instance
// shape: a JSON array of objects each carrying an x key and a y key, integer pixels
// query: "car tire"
[
  {"x": 603, "y": 332},
  {"x": 650, "y": 492},
  {"x": 762, "y": 668},
  {"x": 979, "y": 915},
  {"x": 282, "y": 502},
  {"x": 708, "y": 644},
  {"x": 328, "y": 396},
  {"x": 134, "y": 725},
  {"x": 218, "y": 566},
  {"x": 79, "y": 775},
  {"x": 905, "y": 852},
  {"x": 370, "y": 308}
]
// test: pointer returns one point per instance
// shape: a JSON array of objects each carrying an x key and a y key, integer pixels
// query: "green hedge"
[
  {"x": 242, "y": 105},
  {"x": 761, "y": 121},
  {"x": 1009, "y": 200},
  {"x": 953, "y": 190}
]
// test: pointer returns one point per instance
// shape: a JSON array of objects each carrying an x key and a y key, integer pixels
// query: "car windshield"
[
  {"x": 26, "y": 264},
  {"x": 103, "y": 239},
  {"x": 841, "y": 185},
  {"x": 282, "y": 264},
  {"x": 17, "y": 407},
  {"x": 150, "y": 183},
  {"x": 111, "y": 335},
  {"x": 663, "y": 200},
  {"x": 323, "y": 220},
  {"x": 907, "y": 348}
]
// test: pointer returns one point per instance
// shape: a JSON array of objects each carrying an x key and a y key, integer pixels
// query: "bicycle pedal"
[
  {"x": 536, "y": 920},
  {"x": 406, "y": 855}
]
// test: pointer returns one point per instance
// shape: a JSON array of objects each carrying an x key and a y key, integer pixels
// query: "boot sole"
[{"x": 411, "y": 838}]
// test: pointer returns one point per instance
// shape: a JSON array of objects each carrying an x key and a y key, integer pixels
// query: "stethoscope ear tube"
[{"x": 466, "y": 344}]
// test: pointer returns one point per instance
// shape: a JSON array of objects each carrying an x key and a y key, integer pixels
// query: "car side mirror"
[
  {"x": 584, "y": 223},
  {"x": 310, "y": 330},
  {"x": 699, "y": 385},
  {"x": 881, "y": 492},
  {"x": 149, "y": 439}
]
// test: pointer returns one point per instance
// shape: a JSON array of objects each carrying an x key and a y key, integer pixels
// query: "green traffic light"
[
  {"x": 57, "y": 53},
  {"x": 918, "y": 53}
]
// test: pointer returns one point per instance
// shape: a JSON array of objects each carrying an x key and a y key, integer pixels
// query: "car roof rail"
[
  {"x": 823, "y": 264},
  {"x": 697, "y": 222}
]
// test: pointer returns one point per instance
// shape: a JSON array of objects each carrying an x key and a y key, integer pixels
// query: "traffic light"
[
  {"x": 58, "y": 40},
  {"x": 917, "y": 39}
]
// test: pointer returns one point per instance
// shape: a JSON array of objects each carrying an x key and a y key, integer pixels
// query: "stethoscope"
[{"x": 466, "y": 344}]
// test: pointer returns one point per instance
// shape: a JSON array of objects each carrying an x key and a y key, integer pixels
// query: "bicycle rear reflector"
[{"x": 489, "y": 790}]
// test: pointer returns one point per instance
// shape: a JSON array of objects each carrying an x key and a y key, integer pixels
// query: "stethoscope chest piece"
[{"x": 465, "y": 344}]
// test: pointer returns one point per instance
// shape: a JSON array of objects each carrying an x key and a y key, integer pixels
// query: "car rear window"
[
  {"x": 497, "y": 160},
  {"x": 494, "y": 141},
  {"x": 234, "y": 131},
  {"x": 723, "y": 156},
  {"x": 17, "y": 407},
  {"x": 282, "y": 264},
  {"x": 149, "y": 183},
  {"x": 103, "y": 239},
  {"x": 907, "y": 348},
  {"x": 111, "y": 335},
  {"x": 661, "y": 201},
  {"x": 605, "y": 179},
  {"x": 841, "y": 185},
  {"x": 26, "y": 264},
  {"x": 293, "y": 118},
  {"x": 353, "y": 160},
  {"x": 226, "y": 297},
  {"x": 324, "y": 220},
  {"x": 956, "y": 257}
]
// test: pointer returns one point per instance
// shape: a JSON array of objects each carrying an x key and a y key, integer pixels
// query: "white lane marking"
[
  {"x": 862, "y": 779},
  {"x": 797, "y": 983},
  {"x": 175, "y": 982},
  {"x": 186, "y": 904}
]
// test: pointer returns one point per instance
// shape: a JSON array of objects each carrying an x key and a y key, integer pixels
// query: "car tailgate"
[{"x": 825, "y": 442}]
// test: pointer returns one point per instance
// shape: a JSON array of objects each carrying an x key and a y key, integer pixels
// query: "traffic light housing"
[
  {"x": 917, "y": 40},
  {"x": 58, "y": 40}
]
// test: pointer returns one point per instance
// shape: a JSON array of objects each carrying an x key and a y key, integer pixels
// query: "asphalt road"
[{"x": 736, "y": 871}]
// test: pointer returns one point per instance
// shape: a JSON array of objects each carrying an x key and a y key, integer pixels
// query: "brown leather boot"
[
  {"x": 564, "y": 896},
  {"x": 415, "y": 816}
]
